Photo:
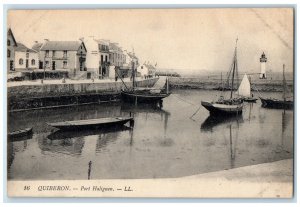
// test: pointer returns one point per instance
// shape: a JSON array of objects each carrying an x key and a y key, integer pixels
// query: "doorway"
[
  {"x": 40, "y": 65},
  {"x": 53, "y": 65}
]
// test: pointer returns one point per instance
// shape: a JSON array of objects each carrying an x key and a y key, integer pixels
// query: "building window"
[
  {"x": 53, "y": 53},
  {"x": 27, "y": 55},
  {"x": 20, "y": 61},
  {"x": 47, "y": 53},
  {"x": 33, "y": 62},
  {"x": 142, "y": 67},
  {"x": 8, "y": 42},
  {"x": 65, "y": 64},
  {"x": 65, "y": 53},
  {"x": 8, "y": 53},
  {"x": 46, "y": 63}
]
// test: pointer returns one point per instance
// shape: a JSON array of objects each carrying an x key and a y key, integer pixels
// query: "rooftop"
[
  {"x": 22, "y": 48},
  {"x": 61, "y": 45}
]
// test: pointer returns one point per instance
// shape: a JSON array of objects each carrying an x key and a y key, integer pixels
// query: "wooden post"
[
  {"x": 89, "y": 170},
  {"x": 284, "y": 84}
]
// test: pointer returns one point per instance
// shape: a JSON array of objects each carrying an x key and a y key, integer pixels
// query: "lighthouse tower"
[{"x": 263, "y": 61}]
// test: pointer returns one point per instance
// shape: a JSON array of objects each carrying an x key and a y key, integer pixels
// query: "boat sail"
[
  {"x": 244, "y": 90},
  {"x": 284, "y": 103},
  {"x": 144, "y": 95},
  {"x": 231, "y": 106}
]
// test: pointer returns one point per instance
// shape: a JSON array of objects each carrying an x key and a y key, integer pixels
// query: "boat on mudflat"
[
  {"x": 68, "y": 134},
  {"x": 232, "y": 105},
  {"x": 284, "y": 103},
  {"x": 20, "y": 133},
  {"x": 144, "y": 95},
  {"x": 276, "y": 103},
  {"x": 92, "y": 123},
  {"x": 220, "y": 108}
]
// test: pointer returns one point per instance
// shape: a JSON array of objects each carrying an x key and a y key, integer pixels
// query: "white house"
[
  {"x": 92, "y": 56},
  {"x": 25, "y": 58},
  {"x": 146, "y": 70}
]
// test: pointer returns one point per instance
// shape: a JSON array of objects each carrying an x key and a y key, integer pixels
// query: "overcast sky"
[{"x": 189, "y": 39}]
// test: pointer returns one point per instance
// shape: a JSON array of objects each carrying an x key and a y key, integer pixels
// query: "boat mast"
[
  {"x": 167, "y": 85},
  {"x": 133, "y": 76},
  {"x": 284, "y": 84},
  {"x": 234, "y": 68}
]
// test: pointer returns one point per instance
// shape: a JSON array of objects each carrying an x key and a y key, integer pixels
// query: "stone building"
[
  {"x": 131, "y": 61},
  {"x": 63, "y": 55},
  {"x": 11, "y": 45},
  {"x": 117, "y": 59},
  {"x": 25, "y": 58}
]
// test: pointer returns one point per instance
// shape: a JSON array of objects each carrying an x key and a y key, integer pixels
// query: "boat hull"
[
  {"x": 251, "y": 100},
  {"x": 20, "y": 133},
  {"x": 67, "y": 134},
  {"x": 92, "y": 124},
  {"x": 222, "y": 109},
  {"x": 276, "y": 104},
  {"x": 142, "y": 98}
]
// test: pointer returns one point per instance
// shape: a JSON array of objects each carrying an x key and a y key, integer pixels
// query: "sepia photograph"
[{"x": 144, "y": 102}]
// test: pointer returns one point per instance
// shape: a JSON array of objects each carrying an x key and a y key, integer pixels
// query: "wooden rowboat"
[
  {"x": 92, "y": 123},
  {"x": 20, "y": 133}
]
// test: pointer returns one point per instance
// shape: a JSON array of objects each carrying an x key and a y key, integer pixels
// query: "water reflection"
[
  {"x": 17, "y": 139},
  {"x": 233, "y": 139},
  {"x": 143, "y": 108},
  {"x": 16, "y": 145},
  {"x": 163, "y": 142},
  {"x": 26, "y": 119},
  {"x": 286, "y": 117},
  {"x": 68, "y": 146},
  {"x": 212, "y": 121},
  {"x": 150, "y": 110},
  {"x": 109, "y": 136}
]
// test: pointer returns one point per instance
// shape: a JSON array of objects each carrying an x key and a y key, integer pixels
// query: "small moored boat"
[
  {"x": 231, "y": 106},
  {"x": 20, "y": 133},
  {"x": 274, "y": 103},
  {"x": 92, "y": 123},
  {"x": 143, "y": 95}
]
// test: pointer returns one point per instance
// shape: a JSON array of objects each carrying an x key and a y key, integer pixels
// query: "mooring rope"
[
  {"x": 256, "y": 90},
  {"x": 190, "y": 104},
  {"x": 185, "y": 100},
  {"x": 195, "y": 112}
]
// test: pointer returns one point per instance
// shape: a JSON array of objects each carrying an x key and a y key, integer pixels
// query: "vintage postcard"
[{"x": 163, "y": 103}]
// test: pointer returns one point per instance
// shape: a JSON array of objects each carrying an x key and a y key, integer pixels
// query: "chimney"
[
  {"x": 36, "y": 42},
  {"x": 46, "y": 40}
]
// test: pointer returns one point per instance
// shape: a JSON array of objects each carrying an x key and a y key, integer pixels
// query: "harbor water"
[{"x": 180, "y": 139}]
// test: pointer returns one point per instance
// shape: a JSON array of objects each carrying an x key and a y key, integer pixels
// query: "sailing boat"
[
  {"x": 144, "y": 95},
  {"x": 244, "y": 90},
  {"x": 231, "y": 106},
  {"x": 284, "y": 103}
]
